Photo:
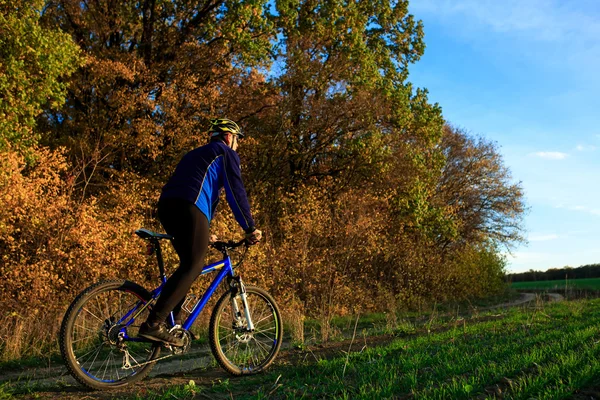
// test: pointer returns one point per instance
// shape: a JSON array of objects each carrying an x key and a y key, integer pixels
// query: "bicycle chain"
[{"x": 149, "y": 362}]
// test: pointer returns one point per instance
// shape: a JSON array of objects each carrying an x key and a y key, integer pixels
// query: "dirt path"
[
  {"x": 524, "y": 299},
  {"x": 41, "y": 378},
  {"x": 555, "y": 297},
  {"x": 198, "y": 365},
  {"x": 199, "y": 370}
]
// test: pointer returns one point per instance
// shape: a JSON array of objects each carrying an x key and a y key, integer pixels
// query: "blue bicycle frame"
[{"x": 225, "y": 269}]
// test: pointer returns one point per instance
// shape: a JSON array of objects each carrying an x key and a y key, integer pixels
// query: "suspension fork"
[{"x": 239, "y": 289}]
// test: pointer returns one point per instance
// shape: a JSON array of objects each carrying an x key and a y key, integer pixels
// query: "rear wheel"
[
  {"x": 237, "y": 349},
  {"x": 93, "y": 335}
]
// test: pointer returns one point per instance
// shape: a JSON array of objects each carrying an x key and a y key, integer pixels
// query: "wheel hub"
[
  {"x": 244, "y": 337},
  {"x": 112, "y": 334}
]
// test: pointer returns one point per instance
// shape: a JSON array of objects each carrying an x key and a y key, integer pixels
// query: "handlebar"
[{"x": 224, "y": 246}]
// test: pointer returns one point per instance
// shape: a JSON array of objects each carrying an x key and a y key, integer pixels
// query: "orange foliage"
[{"x": 53, "y": 246}]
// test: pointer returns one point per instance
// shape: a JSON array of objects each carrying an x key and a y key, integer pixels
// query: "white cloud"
[
  {"x": 589, "y": 210},
  {"x": 585, "y": 209},
  {"x": 542, "y": 238},
  {"x": 586, "y": 148},
  {"x": 551, "y": 155},
  {"x": 528, "y": 256},
  {"x": 539, "y": 19}
]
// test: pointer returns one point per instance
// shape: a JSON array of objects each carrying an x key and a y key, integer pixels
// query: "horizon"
[{"x": 558, "y": 268}]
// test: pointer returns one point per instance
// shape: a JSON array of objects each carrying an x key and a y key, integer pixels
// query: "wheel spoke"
[
  {"x": 84, "y": 338},
  {"x": 107, "y": 362},
  {"x": 225, "y": 327},
  {"x": 260, "y": 317},
  {"x": 87, "y": 329},
  {"x": 117, "y": 370},
  {"x": 94, "y": 315},
  {"x": 95, "y": 338},
  {"x": 237, "y": 347},
  {"x": 227, "y": 336},
  {"x": 261, "y": 346},
  {"x": 233, "y": 345},
  {"x": 243, "y": 350},
  {"x": 96, "y": 355},
  {"x": 261, "y": 320},
  {"x": 262, "y": 332},
  {"x": 82, "y": 363}
]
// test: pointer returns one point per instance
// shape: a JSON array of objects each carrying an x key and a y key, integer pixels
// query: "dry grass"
[
  {"x": 293, "y": 318},
  {"x": 29, "y": 335}
]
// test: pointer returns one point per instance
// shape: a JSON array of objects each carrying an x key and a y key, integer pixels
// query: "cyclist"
[{"x": 185, "y": 209}]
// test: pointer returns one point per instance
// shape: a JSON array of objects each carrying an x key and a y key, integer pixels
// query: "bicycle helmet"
[{"x": 224, "y": 125}]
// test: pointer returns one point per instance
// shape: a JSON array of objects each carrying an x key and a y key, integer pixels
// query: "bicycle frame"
[
  {"x": 100, "y": 333},
  {"x": 225, "y": 269}
]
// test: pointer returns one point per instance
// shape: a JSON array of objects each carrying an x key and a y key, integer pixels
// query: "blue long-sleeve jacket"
[{"x": 200, "y": 176}]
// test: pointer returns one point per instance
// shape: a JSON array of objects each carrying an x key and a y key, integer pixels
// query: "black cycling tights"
[{"x": 189, "y": 227}]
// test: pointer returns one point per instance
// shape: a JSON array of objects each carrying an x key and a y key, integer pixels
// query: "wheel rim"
[
  {"x": 248, "y": 351},
  {"x": 96, "y": 339}
]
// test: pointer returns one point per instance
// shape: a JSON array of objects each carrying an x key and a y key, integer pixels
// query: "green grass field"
[
  {"x": 589, "y": 284},
  {"x": 548, "y": 352}
]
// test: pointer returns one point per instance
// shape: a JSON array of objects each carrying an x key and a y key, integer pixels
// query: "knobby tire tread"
[
  {"x": 213, "y": 333},
  {"x": 67, "y": 326}
]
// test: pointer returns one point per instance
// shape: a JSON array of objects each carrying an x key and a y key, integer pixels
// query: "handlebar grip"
[
  {"x": 239, "y": 243},
  {"x": 230, "y": 244}
]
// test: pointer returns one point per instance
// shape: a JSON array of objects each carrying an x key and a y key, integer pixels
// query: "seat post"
[{"x": 159, "y": 258}]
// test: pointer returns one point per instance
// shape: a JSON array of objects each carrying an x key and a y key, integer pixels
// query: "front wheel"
[
  {"x": 239, "y": 350},
  {"x": 98, "y": 336}
]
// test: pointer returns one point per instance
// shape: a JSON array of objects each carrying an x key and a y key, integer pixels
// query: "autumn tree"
[
  {"x": 478, "y": 190},
  {"x": 157, "y": 71},
  {"x": 368, "y": 200},
  {"x": 33, "y": 61},
  {"x": 349, "y": 141},
  {"x": 348, "y": 165},
  {"x": 344, "y": 63}
]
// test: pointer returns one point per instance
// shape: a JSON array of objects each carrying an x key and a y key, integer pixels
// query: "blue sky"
[{"x": 525, "y": 73}]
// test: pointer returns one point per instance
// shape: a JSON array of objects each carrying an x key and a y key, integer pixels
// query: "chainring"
[{"x": 187, "y": 340}]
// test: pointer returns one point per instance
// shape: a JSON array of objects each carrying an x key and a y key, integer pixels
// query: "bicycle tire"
[
  {"x": 75, "y": 322},
  {"x": 266, "y": 336}
]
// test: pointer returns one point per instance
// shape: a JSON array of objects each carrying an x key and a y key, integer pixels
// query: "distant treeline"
[{"x": 585, "y": 271}]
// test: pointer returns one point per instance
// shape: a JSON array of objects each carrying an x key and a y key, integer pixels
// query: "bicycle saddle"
[{"x": 147, "y": 234}]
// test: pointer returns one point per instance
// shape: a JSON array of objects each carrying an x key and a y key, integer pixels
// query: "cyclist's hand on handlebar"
[
  {"x": 254, "y": 237},
  {"x": 212, "y": 239}
]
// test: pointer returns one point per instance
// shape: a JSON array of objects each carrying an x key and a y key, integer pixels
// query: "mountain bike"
[{"x": 98, "y": 335}]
